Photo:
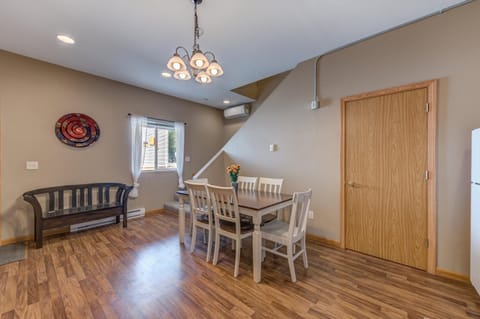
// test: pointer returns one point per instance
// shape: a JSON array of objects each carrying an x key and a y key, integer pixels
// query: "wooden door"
[{"x": 385, "y": 167}]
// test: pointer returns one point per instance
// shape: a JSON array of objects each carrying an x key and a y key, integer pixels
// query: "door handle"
[{"x": 351, "y": 183}]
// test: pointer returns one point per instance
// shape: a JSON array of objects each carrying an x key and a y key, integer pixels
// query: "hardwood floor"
[{"x": 143, "y": 272}]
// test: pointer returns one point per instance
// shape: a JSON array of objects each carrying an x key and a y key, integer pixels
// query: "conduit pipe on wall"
[
  {"x": 315, "y": 104},
  {"x": 316, "y": 100}
]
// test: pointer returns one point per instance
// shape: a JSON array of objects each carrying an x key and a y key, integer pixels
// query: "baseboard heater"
[{"x": 136, "y": 213}]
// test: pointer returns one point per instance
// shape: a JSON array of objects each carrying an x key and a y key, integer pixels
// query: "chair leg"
[
  {"x": 209, "y": 247},
  {"x": 217, "y": 248},
  {"x": 191, "y": 223},
  {"x": 304, "y": 256},
  {"x": 237, "y": 256},
  {"x": 194, "y": 239},
  {"x": 204, "y": 236},
  {"x": 290, "y": 262},
  {"x": 264, "y": 242}
]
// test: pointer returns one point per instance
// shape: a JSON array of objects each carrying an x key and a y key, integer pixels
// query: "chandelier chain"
[{"x": 196, "y": 31}]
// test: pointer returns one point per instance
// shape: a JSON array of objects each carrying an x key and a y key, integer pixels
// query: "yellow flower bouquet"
[{"x": 233, "y": 170}]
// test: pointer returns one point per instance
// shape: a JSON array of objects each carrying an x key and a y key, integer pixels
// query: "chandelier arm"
[
  {"x": 211, "y": 53},
  {"x": 184, "y": 49}
]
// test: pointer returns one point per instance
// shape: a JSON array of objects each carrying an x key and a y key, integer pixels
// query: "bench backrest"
[{"x": 72, "y": 196}]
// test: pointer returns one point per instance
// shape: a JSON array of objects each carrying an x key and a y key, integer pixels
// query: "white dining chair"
[
  {"x": 227, "y": 220},
  {"x": 247, "y": 183},
  {"x": 201, "y": 213},
  {"x": 195, "y": 181},
  {"x": 270, "y": 185},
  {"x": 290, "y": 234}
]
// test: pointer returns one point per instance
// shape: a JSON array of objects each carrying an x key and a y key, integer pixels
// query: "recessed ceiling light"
[
  {"x": 226, "y": 102},
  {"x": 166, "y": 74},
  {"x": 65, "y": 39}
]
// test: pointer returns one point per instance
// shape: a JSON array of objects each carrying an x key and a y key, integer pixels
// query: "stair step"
[{"x": 173, "y": 206}]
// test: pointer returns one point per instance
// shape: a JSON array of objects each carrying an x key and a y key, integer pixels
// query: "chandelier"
[{"x": 196, "y": 65}]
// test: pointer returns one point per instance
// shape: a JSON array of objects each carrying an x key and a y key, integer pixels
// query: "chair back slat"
[
  {"x": 247, "y": 183},
  {"x": 60, "y": 199},
  {"x": 51, "y": 201},
  {"x": 225, "y": 205},
  {"x": 199, "y": 200},
  {"x": 107, "y": 194},
  {"x": 74, "y": 197},
  {"x": 299, "y": 215},
  {"x": 89, "y": 196},
  {"x": 270, "y": 185},
  {"x": 100, "y": 195},
  {"x": 82, "y": 197}
]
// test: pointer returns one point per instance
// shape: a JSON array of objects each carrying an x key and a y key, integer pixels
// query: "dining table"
[{"x": 255, "y": 204}]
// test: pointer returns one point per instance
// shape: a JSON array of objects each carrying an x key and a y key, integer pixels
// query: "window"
[{"x": 159, "y": 142}]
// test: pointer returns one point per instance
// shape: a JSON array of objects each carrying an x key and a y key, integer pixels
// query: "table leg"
[
  {"x": 257, "y": 253},
  {"x": 181, "y": 220}
]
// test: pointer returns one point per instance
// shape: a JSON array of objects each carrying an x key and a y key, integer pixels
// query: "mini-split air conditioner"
[{"x": 238, "y": 111}]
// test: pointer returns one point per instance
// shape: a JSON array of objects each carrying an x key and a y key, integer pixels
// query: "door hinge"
[
  {"x": 427, "y": 175},
  {"x": 427, "y": 107},
  {"x": 427, "y": 243}
]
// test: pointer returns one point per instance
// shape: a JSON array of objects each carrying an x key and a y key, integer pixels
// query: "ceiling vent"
[{"x": 238, "y": 111}]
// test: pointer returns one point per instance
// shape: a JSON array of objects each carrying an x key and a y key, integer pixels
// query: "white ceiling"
[{"x": 130, "y": 41}]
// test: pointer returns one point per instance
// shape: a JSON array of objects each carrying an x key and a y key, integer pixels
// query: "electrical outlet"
[
  {"x": 31, "y": 165},
  {"x": 310, "y": 214}
]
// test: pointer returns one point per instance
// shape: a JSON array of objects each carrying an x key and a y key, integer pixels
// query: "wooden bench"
[{"x": 72, "y": 204}]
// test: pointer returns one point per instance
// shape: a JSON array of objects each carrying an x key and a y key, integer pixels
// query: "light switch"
[
  {"x": 32, "y": 165},
  {"x": 187, "y": 159},
  {"x": 273, "y": 147},
  {"x": 310, "y": 214}
]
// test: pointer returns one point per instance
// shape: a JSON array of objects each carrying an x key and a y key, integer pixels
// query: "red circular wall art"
[{"x": 77, "y": 130}]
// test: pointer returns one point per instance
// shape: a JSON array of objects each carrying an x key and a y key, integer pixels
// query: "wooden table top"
[{"x": 254, "y": 199}]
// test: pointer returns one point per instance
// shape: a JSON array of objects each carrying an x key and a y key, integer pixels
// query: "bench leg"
[
  {"x": 38, "y": 233},
  {"x": 125, "y": 219},
  {"x": 117, "y": 219}
]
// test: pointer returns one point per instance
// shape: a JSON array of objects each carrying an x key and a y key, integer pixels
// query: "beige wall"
[
  {"x": 445, "y": 47},
  {"x": 265, "y": 87},
  {"x": 33, "y": 95}
]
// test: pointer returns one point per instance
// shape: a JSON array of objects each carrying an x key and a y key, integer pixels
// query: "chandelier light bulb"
[
  {"x": 176, "y": 63},
  {"x": 215, "y": 69},
  {"x": 203, "y": 78},
  {"x": 183, "y": 75},
  {"x": 199, "y": 60}
]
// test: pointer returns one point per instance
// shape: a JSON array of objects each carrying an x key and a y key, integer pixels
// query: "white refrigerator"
[{"x": 475, "y": 212}]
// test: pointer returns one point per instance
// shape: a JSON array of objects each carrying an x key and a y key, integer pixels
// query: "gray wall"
[
  {"x": 445, "y": 47},
  {"x": 33, "y": 95}
]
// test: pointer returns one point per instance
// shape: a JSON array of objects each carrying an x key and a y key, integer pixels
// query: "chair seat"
[
  {"x": 268, "y": 218},
  {"x": 276, "y": 228},
  {"x": 202, "y": 219},
  {"x": 230, "y": 227}
]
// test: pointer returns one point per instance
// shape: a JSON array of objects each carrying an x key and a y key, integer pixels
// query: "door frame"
[{"x": 431, "y": 87}]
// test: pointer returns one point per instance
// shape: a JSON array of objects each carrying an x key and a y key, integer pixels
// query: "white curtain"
[
  {"x": 180, "y": 143},
  {"x": 137, "y": 128}
]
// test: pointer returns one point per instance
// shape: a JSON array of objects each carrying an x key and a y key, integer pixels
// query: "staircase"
[{"x": 173, "y": 205}]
